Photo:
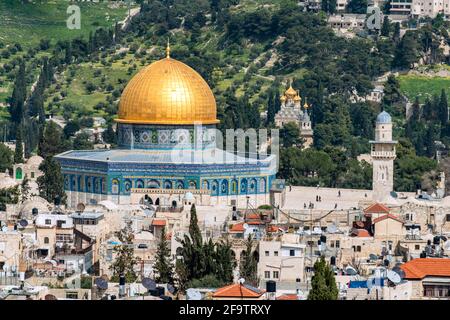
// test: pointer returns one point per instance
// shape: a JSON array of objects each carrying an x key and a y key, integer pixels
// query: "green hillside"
[{"x": 28, "y": 23}]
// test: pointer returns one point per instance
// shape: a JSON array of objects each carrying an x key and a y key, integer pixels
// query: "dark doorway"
[
  {"x": 157, "y": 202},
  {"x": 174, "y": 204}
]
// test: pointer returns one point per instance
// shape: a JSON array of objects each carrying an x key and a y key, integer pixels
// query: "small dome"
[
  {"x": 297, "y": 98},
  {"x": 35, "y": 160},
  {"x": 384, "y": 117},
  {"x": 283, "y": 98},
  {"x": 189, "y": 196},
  {"x": 7, "y": 182}
]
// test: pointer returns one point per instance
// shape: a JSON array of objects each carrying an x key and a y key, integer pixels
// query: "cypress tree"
[
  {"x": 225, "y": 261},
  {"x": 163, "y": 264},
  {"x": 125, "y": 260},
  {"x": 51, "y": 183},
  {"x": 18, "y": 152},
  {"x": 323, "y": 284},
  {"x": 17, "y": 100},
  {"x": 443, "y": 108},
  {"x": 386, "y": 28},
  {"x": 396, "y": 35},
  {"x": 249, "y": 265},
  {"x": 51, "y": 142},
  {"x": 194, "y": 230}
]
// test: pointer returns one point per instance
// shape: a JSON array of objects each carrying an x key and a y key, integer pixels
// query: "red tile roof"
[
  {"x": 390, "y": 216},
  {"x": 255, "y": 222},
  {"x": 361, "y": 233},
  {"x": 288, "y": 297},
  {"x": 238, "y": 290},
  {"x": 272, "y": 228},
  {"x": 423, "y": 267},
  {"x": 238, "y": 227},
  {"x": 158, "y": 222},
  {"x": 376, "y": 208},
  {"x": 253, "y": 216}
]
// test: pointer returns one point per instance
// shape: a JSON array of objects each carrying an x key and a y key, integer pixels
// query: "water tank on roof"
[
  {"x": 437, "y": 240},
  {"x": 333, "y": 261},
  {"x": 271, "y": 286}
]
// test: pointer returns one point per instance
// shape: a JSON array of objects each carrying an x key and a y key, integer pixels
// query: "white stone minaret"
[{"x": 383, "y": 156}]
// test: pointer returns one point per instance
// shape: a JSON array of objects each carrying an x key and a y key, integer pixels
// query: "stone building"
[{"x": 282, "y": 260}]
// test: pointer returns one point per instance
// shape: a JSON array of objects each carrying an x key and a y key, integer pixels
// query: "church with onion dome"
[
  {"x": 167, "y": 151},
  {"x": 291, "y": 110}
]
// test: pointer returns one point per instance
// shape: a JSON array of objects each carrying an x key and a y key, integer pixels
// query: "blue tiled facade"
[{"x": 144, "y": 160}]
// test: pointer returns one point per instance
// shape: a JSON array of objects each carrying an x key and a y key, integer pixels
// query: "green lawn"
[
  {"x": 28, "y": 23},
  {"x": 421, "y": 86}
]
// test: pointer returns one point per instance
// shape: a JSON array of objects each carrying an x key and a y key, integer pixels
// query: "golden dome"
[
  {"x": 167, "y": 92},
  {"x": 290, "y": 91},
  {"x": 297, "y": 98},
  {"x": 283, "y": 98},
  {"x": 306, "y": 105}
]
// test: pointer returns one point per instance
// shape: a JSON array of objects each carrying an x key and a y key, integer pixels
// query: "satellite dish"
[
  {"x": 400, "y": 272},
  {"x": 23, "y": 223},
  {"x": 101, "y": 283},
  {"x": 447, "y": 245},
  {"x": 351, "y": 271},
  {"x": 393, "y": 276},
  {"x": 241, "y": 280},
  {"x": 245, "y": 226},
  {"x": 193, "y": 294},
  {"x": 171, "y": 289},
  {"x": 5, "y": 267},
  {"x": 5, "y": 229},
  {"x": 373, "y": 257},
  {"x": 149, "y": 284},
  {"x": 332, "y": 229},
  {"x": 50, "y": 297}
]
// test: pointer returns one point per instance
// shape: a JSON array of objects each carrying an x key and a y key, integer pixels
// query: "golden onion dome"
[
  {"x": 290, "y": 91},
  {"x": 306, "y": 105},
  {"x": 283, "y": 98},
  {"x": 297, "y": 98},
  {"x": 167, "y": 92}
]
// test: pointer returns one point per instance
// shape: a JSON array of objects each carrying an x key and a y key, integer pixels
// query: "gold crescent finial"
[{"x": 168, "y": 49}]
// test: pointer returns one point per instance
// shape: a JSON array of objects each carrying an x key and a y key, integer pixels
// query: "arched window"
[
  {"x": 127, "y": 185},
  {"x": 252, "y": 186},
  {"x": 192, "y": 185},
  {"x": 167, "y": 184},
  {"x": 115, "y": 186},
  {"x": 19, "y": 173},
  {"x": 139, "y": 184},
  {"x": 153, "y": 184},
  {"x": 224, "y": 187},
  {"x": 215, "y": 188},
  {"x": 262, "y": 185},
  {"x": 244, "y": 186},
  {"x": 180, "y": 184},
  {"x": 234, "y": 187}
]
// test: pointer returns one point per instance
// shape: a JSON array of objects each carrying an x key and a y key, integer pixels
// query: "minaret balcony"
[{"x": 383, "y": 154}]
